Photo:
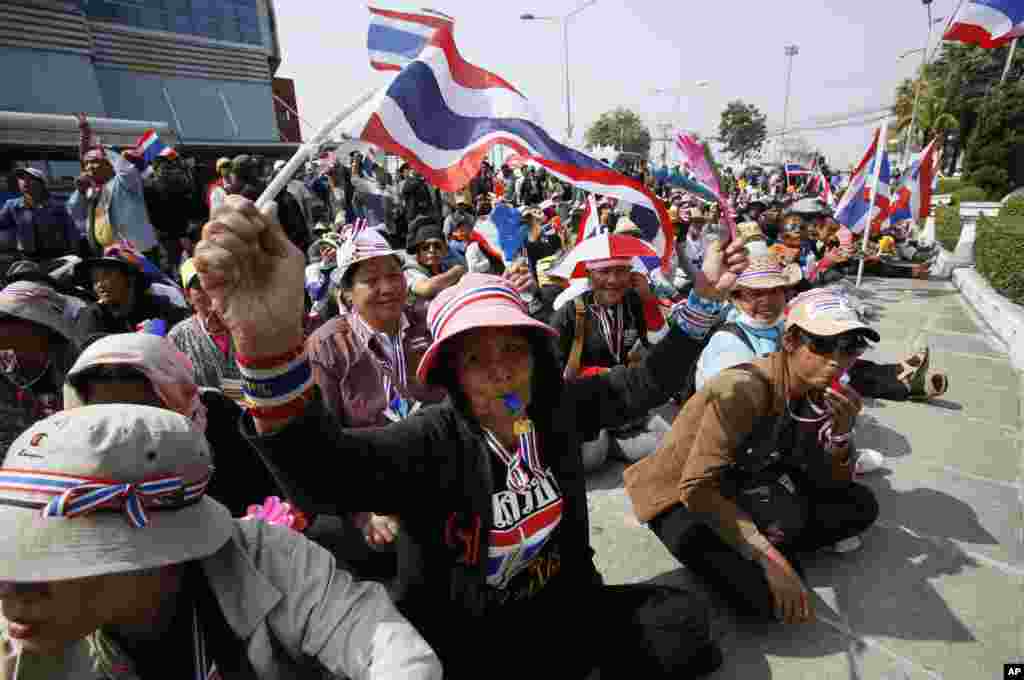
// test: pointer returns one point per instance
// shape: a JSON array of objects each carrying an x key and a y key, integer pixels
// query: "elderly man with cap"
[
  {"x": 127, "y": 569},
  {"x": 122, "y": 281},
  {"x": 425, "y": 273},
  {"x": 38, "y": 344},
  {"x": 204, "y": 338},
  {"x": 34, "y": 226},
  {"x": 110, "y": 198},
  {"x": 606, "y": 326},
  {"x": 759, "y": 465}
]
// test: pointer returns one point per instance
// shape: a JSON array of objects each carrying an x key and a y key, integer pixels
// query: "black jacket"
[
  {"x": 97, "y": 319},
  {"x": 595, "y": 347},
  {"x": 434, "y": 470}
]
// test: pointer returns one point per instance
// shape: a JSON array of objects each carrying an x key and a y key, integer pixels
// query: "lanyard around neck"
[
  {"x": 524, "y": 464},
  {"x": 613, "y": 323}
]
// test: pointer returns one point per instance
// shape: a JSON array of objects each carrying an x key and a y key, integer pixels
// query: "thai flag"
[
  {"x": 512, "y": 549},
  {"x": 149, "y": 147},
  {"x": 912, "y": 199},
  {"x": 987, "y": 23},
  {"x": 590, "y": 223},
  {"x": 795, "y": 170},
  {"x": 820, "y": 185},
  {"x": 853, "y": 210},
  {"x": 397, "y": 38},
  {"x": 443, "y": 115}
]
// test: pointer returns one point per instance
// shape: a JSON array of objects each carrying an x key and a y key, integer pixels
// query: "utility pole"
[
  {"x": 791, "y": 51},
  {"x": 665, "y": 129}
]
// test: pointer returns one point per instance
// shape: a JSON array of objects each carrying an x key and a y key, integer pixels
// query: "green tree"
[
  {"x": 622, "y": 129},
  {"x": 997, "y": 141},
  {"x": 742, "y": 129}
]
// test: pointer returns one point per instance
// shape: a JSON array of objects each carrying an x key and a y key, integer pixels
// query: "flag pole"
[
  {"x": 306, "y": 151},
  {"x": 882, "y": 135},
  {"x": 1009, "y": 61}
]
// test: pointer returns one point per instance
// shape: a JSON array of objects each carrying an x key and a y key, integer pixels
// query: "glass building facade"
[{"x": 229, "y": 20}]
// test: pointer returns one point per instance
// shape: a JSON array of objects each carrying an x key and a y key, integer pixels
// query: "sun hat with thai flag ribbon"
[
  {"x": 476, "y": 301},
  {"x": 107, "y": 489},
  {"x": 363, "y": 243},
  {"x": 766, "y": 271}
]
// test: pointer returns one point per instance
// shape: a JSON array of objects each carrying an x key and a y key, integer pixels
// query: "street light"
[
  {"x": 564, "y": 20},
  {"x": 791, "y": 51},
  {"x": 920, "y": 76}
]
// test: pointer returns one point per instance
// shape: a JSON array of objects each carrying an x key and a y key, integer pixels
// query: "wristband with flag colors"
[
  {"x": 277, "y": 387},
  {"x": 696, "y": 316}
]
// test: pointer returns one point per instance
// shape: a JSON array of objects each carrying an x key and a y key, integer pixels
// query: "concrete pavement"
[{"x": 938, "y": 589}]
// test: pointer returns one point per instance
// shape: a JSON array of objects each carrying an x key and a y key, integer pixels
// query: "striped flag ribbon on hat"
[{"x": 443, "y": 115}]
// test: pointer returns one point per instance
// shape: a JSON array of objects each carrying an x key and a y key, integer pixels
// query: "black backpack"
[{"x": 690, "y": 385}]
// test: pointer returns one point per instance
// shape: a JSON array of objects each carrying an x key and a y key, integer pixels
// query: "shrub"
[
  {"x": 994, "y": 181},
  {"x": 969, "y": 194},
  {"x": 949, "y": 185},
  {"x": 1013, "y": 212},
  {"x": 947, "y": 226},
  {"x": 999, "y": 256}
]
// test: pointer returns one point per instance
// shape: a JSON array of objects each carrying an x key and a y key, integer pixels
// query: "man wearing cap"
[
  {"x": 759, "y": 465},
  {"x": 34, "y": 226},
  {"x": 125, "y": 302},
  {"x": 151, "y": 578},
  {"x": 110, "y": 198},
  {"x": 203, "y": 337},
  {"x": 424, "y": 270},
  {"x": 38, "y": 344}
]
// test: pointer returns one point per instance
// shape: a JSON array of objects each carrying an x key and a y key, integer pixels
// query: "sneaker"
[
  {"x": 847, "y": 545},
  {"x": 868, "y": 460}
]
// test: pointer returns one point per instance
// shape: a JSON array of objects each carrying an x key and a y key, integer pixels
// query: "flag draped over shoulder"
[
  {"x": 442, "y": 115},
  {"x": 855, "y": 210}
]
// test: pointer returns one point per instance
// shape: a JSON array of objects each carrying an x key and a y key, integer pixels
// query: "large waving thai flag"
[
  {"x": 855, "y": 210},
  {"x": 987, "y": 23},
  {"x": 913, "y": 197},
  {"x": 397, "y": 38},
  {"x": 443, "y": 114}
]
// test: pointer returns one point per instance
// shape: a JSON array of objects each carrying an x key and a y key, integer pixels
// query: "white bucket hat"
[
  {"x": 107, "y": 489},
  {"x": 364, "y": 245}
]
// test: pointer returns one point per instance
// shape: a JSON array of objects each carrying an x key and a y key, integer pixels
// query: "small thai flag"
[{"x": 149, "y": 147}]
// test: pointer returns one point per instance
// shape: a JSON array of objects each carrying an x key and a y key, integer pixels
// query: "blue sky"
[{"x": 620, "y": 51}]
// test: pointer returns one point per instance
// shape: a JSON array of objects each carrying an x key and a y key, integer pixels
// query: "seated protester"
[
  {"x": 759, "y": 466},
  {"x": 38, "y": 344},
  {"x": 321, "y": 298},
  {"x": 424, "y": 271},
  {"x": 754, "y": 328},
  {"x": 693, "y": 248},
  {"x": 205, "y": 340},
  {"x": 138, "y": 368},
  {"x": 837, "y": 260},
  {"x": 541, "y": 239},
  {"x": 610, "y": 319},
  {"x": 125, "y": 300},
  {"x": 364, "y": 362},
  {"x": 504, "y": 535},
  {"x": 35, "y": 226},
  {"x": 160, "y": 581}
]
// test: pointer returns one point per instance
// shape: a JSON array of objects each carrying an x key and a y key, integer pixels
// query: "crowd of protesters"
[{"x": 344, "y": 433}]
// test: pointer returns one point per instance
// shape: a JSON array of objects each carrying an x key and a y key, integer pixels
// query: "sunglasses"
[{"x": 848, "y": 345}]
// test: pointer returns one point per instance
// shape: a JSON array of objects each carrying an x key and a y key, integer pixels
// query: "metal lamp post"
[
  {"x": 564, "y": 20},
  {"x": 791, "y": 51},
  {"x": 917, "y": 90}
]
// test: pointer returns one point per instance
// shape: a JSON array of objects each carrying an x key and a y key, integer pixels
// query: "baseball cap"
[{"x": 825, "y": 313}]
